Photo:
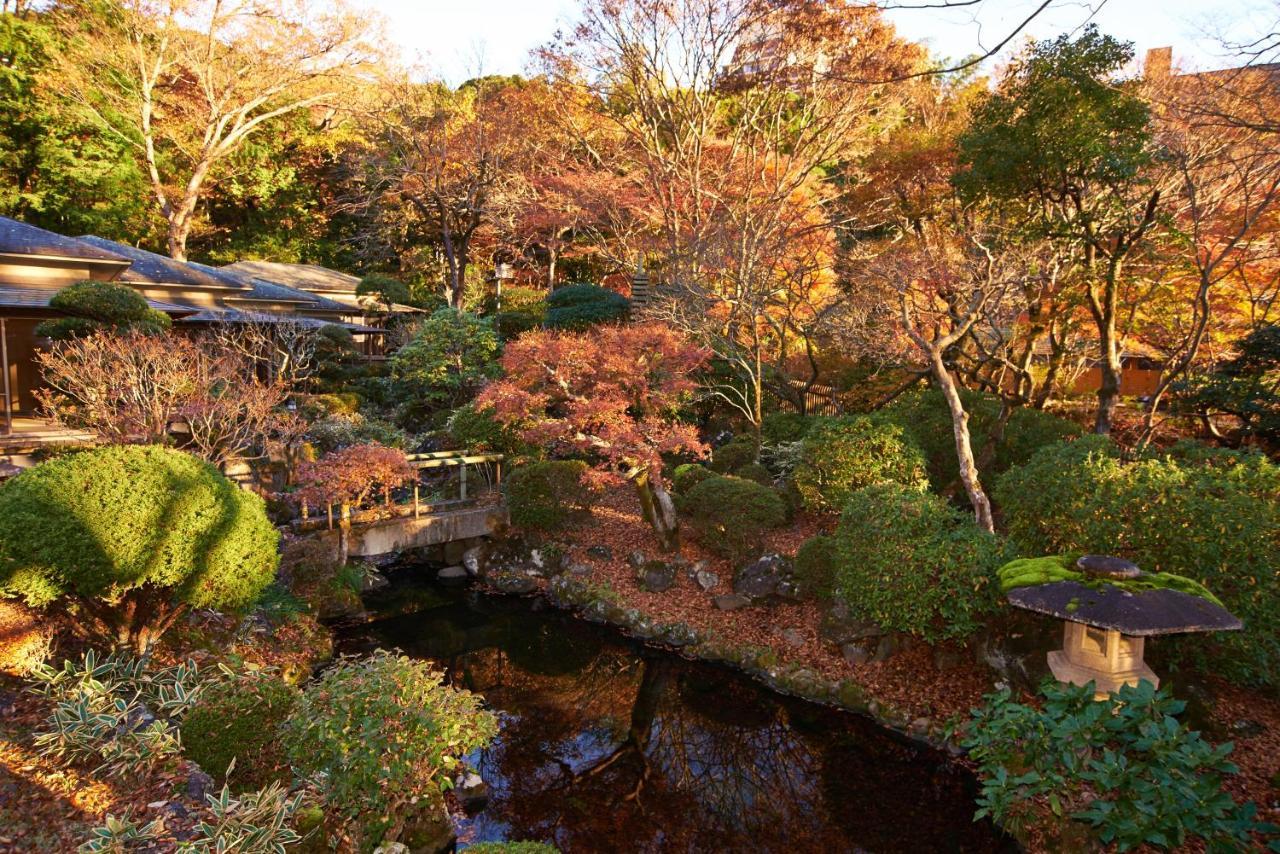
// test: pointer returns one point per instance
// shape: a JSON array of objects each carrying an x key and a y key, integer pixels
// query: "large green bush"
[
  {"x": 450, "y": 357},
  {"x": 778, "y": 427},
  {"x": 475, "y": 429},
  {"x": 131, "y": 533},
  {"x": 546, "y": 496},
  {"x": 1210, "y": 515},
  {"x": 910, "y": 562},
  {"x": 842, "y": 455},
  {"x": 689, "y": 475},
  {"x": 1128, "y": 770},
  {"x": 387, "y": 735},
  {"x": 730, "y": 515},
  {"x": 926, "y": 421},
  {"x": 96, "y": 306},
  {"x": 583, "y": 305},
  {"x": 238, "y": 718}
]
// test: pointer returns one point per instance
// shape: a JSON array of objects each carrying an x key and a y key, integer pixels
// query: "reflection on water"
[{"x": 609, "y": 746}]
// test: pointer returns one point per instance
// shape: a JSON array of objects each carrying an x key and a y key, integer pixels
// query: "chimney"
[{"x": 1158, "y": 64}]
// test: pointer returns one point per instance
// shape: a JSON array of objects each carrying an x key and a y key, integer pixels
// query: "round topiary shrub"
[
  {"x": 842, "y": 455},
  {"x": 475, "y": 429},
  {"x": 689, "y": 475},
  {"x": 239, "y": 718},
  {"x": 756, "y": 472},
  {"x": 580, "y": 306},
  {"x": 546, "y": 496},
  {"x": 96, "y": 306},
  {"x": 734, "y": 455},
  {"x": 815, "y": 566},
  {"x": 387, "y": 735},
  {"x": 1208, "y": 514},
  {"x": 910, "y": 562},
  {"x": 133, "y": 535},
  {"x": 730, "y": 515}
]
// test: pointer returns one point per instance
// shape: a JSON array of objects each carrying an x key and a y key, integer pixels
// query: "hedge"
[
  {"x": 584, "y": 305},
  {"x": 239, "y": 718}
]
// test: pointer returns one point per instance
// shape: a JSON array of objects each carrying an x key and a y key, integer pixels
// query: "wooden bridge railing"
[{"x": 438, "y": 472}]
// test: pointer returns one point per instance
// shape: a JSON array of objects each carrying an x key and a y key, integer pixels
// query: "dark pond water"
[{"x": 607, "y": 745}]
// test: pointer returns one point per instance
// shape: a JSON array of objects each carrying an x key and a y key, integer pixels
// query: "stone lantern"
[{"x": 1109, "y": 613}]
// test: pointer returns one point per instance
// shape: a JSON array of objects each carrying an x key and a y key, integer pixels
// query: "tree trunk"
[
  {"x": 135, "y": 622},
  {"x": 964, "y": 448},
  {"x": 658, "y": 509},
  {"x": 344, "y": 534}
]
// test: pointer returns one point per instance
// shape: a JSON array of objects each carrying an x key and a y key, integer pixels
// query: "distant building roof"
[
  {"x": 19, "y": 238},
  {"x": 261, "y": 289},
  {"x": 308, "y": 277},
  {"x": 39, "y": 298},
  {"x": 235, "y": 315},
  {"x": 149, "y": 268}
]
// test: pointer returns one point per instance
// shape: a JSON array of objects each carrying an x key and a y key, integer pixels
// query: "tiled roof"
[
  {"x": 148, "y": 268},
  {"x": 39, "y": 298},
  {"x": 19, "y": 238},
  {"x": 235, "y": 315},
  {"x": 308, "y": 277},
  {"x": 260, "y": 289}
]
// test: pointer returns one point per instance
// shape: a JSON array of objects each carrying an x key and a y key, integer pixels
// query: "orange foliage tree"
[
  {"x": 348, "y": 477},
  {"x": 611, "y": 394}
]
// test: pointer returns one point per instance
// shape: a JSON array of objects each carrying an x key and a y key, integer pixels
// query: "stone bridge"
[{"x": 407, "y": 533}]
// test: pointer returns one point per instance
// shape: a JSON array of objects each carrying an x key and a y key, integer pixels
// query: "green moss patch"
[{"x": 1030, "y": 571}]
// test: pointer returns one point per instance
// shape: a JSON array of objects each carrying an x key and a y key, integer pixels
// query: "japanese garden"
[{"x": 737, "y": 425}]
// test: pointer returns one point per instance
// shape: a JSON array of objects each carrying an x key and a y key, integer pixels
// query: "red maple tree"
[{"x": 610, "y": 394}]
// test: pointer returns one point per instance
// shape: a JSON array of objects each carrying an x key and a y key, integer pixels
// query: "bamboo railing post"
[
  {"x": 462, "y": 482},
  {"x": 416, "y": 509}
]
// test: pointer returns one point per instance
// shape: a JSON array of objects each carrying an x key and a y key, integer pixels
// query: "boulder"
[
  {"x": 472, "y": 559},
  {"x": 514, "y": 581},
  {"x": 760, "y": 579},
  {"x": 471, "y": 791},
  {"x": 600, "y": 552},
  {"x": 656, "y": 576},
  {"x": 578, "y": 569},
  {"x": 793, "y": 637},
  {"x": 705, "y": 579},
  {"x": 453, "y": 574},
  {"x": 731, "y": 602},
  {"x": 841, "y": 627},
  {"x": 371, "y": 580},
  {"x": 636, "y": 559}
]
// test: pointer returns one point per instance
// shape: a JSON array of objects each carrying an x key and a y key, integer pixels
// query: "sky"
[{"x": 456, "y": 38}]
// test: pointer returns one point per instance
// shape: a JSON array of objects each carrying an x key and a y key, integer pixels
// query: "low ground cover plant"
[
  {"x": 1125, "y": 768},
  {"x": 382, "y": 737}
]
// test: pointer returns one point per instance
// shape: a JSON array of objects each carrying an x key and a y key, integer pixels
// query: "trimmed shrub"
[
  {"x": 756, "y": 472},
  {"x": 689, "y": 475},
  {"x": 926, "y": 421},
  {"x": 815, "y": 566},
  {"x": 910, "y": 562},
  {"x": 584, "y": 305},
  {"x": 842, "y": 455},
  {"x": 388, "y": 736},
  {"x": 734, "y": 455},
  {"x": 239, "y": 718},
  {"x": 97, "y": 306},
  {"x": 546, "y": 496},
  {"x": 780, "y": 427},
  {"x": 730, "y": 515},
  {"x": 1129, "y": 770},
  {"x": 1210, "y": 515},
  {"x": 130, "y": 530},
  {"x": 343, "y": 431},
  {"x": 512, "y": 848}
]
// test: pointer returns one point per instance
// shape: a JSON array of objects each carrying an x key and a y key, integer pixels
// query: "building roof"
[
  {"x": 149, "y": 268},
  {"x": 19, "y": 238},
  {"x": 261, "y": 289},
  {"x": 39, "y": 298},
  {"x": 307, "y": 277},
  {"x": 235, "y": 315}
]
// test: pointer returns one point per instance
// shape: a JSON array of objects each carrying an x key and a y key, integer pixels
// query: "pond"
[{"x": 608, "y": 745}]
